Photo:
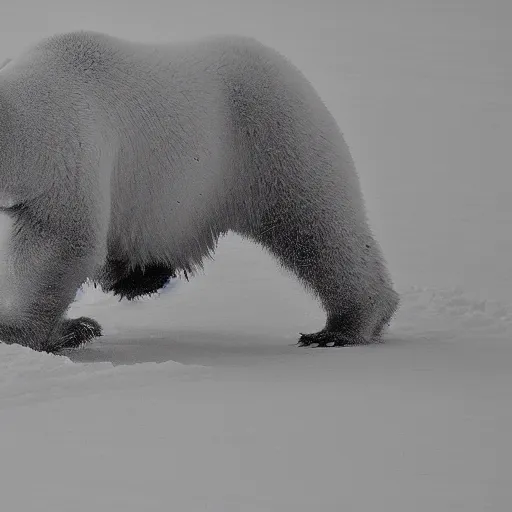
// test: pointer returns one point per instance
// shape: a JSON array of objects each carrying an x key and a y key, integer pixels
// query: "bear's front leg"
[{"x": 46, "y": 253}]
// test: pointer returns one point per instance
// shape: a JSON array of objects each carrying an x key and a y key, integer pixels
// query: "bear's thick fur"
[{"x": 124, "y": 162}]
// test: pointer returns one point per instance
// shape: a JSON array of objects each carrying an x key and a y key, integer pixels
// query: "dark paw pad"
[
  {"x": 331, "y": 339},
  {"x": 75, "y": 333}
]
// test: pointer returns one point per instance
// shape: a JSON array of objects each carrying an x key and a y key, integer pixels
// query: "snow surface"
[{"x": 198, "y": 400}]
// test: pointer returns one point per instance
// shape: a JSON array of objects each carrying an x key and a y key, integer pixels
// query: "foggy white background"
[{"x": 236, "y": 418}]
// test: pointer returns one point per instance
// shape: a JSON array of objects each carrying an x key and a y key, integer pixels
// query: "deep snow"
[{"x": 199, "y": 399}]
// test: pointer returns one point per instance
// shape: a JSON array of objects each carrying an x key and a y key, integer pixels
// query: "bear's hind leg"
[{"x": 334, "y": 254}]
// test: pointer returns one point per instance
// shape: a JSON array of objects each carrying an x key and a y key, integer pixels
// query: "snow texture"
[{"x": 199, "y": 399}]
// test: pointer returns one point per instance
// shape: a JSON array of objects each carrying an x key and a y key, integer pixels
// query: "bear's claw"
[
  {"x": 326, "y": 339},
  {"x": 74, "y": 333}
]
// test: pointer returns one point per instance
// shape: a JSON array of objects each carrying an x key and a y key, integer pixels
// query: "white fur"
[
  {"x": 149, "y": 152},
  {"x": 6, "y": 201},
  {"x": 10, "y": 302}
]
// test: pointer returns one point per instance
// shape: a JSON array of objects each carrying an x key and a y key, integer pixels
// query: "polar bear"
[{"x": 123, "y": 163}]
